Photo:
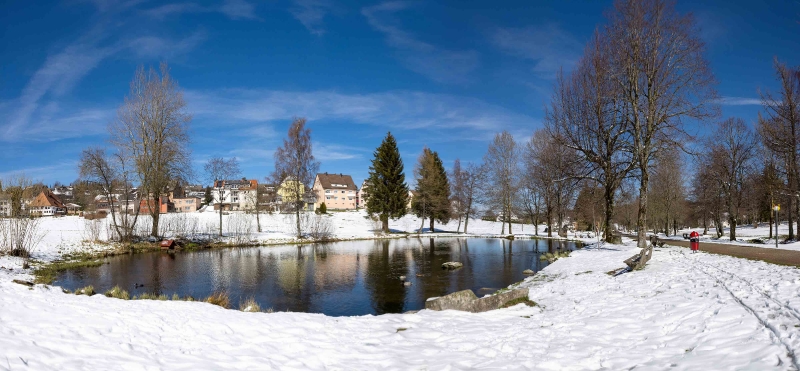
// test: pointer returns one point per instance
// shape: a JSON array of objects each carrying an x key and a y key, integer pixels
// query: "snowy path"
[{"x": 779, "y": 317}]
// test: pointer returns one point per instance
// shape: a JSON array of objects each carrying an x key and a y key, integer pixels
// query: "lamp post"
[{"x": 776, "y": 208}]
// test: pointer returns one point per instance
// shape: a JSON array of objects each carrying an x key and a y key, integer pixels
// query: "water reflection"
[{"x": 343, "y": 278}]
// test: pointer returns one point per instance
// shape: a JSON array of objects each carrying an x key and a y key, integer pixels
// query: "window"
[
  {"x": 327, "y": 197},
  {"x": 342, "y": 191}
]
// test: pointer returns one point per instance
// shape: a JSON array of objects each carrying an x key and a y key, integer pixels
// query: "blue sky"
[{"x": 443, "y": 74}]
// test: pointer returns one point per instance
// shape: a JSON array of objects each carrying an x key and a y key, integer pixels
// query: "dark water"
[{"x": 337, "y": 279}]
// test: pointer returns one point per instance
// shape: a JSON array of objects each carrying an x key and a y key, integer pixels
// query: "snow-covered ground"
[
  {"x": 71, "y": 234},
  {"x": 684, "y": 311},
  {"x": 745, "y": 234}
]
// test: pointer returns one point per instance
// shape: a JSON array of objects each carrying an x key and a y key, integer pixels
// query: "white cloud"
[
  {"x": 548, "y": 46},
  {"x": 233, "y": 9},
  {"x": 239, "y": 9},
  {"x": 57, "y": 76},
  {"x": 38, "y": 104},
  {"x": 161, "y": 12},
  {"x": 311, "y": 13},
  {"x": 739, "y": 101},
  {"x": 398, "y": 110},
  {"x": 438, "y": 64},
  {"x": 334, "y": 152},
  {"x": 161, "y": 47}
]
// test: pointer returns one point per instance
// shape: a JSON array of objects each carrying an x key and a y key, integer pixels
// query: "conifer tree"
[
  {"x": 433, "y": 190},
  {"x": 388, "y": 192}
]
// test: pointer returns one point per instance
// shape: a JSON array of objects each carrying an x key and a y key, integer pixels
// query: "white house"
[
  {"x": 236, "y": 194},
  {"x": 46, "y": 204}
]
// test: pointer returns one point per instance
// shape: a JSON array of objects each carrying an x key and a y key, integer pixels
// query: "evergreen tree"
[
  {"x": 433, "y": 189},
  {"x": 388, "y": 193},
  {"x": 208, "y": 197}
]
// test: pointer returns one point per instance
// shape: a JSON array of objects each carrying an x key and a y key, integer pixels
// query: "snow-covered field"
[
  {"x": 744, "y": 236},
  {"x": 684, "y": 311},
  {"x": 72, "y": 233}
]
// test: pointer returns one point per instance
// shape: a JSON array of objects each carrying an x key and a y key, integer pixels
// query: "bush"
[
  {"x": 320, "y": 228},
  {"x": 88, "y": 291},
  {"x": 117, "y": 292},
  {"x": 516, "y": 301},
  {"x": 323, "y": 209},
  {"x": 149, "y": 296},
  {"x": 249, "y": 305},
  {"x": 219, "y": 298}
]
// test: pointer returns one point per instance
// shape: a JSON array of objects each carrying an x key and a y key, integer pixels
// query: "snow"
[
  {"x": 683, "y": 311},
  {"x": 744, "y": 235},
  {"x": 71, "y": 234}
]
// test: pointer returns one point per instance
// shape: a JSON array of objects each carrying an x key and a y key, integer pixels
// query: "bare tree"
[
  {"x": 586, "y": 115},
  {"x": 667, "y": 191},
  {"x": 112, "y": 174},
  {"x": 295, "y": 167},
  {"x": 458, "y": 191},
  {"x": 218, "y": 170},
  {"x": 550, "y": 167},
  {"x": 474, "y": 183},
  {"x": 152, "y": 127},
  {"x": 502, "y": 163},
  {"x": 663, "y": 78},
  {"x": 732, "y": 149},
  {"x": 779, "y": 127}
]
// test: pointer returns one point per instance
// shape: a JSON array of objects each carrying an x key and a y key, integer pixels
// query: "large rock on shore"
[{"x": 466, "y": 300}]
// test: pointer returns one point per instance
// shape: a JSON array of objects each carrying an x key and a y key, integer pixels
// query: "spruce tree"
[
  {"x": 433, "y": 190},
  {"x": 388, "y": 193}
]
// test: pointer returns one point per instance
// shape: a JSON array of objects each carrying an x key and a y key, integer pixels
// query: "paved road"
[{"x": 767, "y": 254}]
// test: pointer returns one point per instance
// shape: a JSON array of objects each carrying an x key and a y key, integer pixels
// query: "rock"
[
  {"x": 528, "y": 272},
  {"x": 466, "y": 300},
  {"x": 21, "y": 282},
  {"x": 452, "y": 265},
  {"x": 407, "y": 283},
  {"x": 402, "y": 278}
]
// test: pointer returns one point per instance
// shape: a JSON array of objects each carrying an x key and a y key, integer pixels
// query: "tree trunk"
[
  {"x": 641, "y": 220},
  {"x": 732, "y": 221},
  {"x": 432, "y": 220},
  {"x": 385, "y": 223},
  {"x": 458, "y": 229},
  {"x": 466, "y": 222},
  {"x": 508, "y": 216},
  {"x": 155, "y": 216},
  {"x": 297, "y": 218},
  {"x": 220, "y": 219},
  {"x": 608, "y": 196},
  {"x": 258, "y": 220}
]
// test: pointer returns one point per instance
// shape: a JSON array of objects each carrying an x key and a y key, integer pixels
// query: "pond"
[{"x": 337, "y": 279}]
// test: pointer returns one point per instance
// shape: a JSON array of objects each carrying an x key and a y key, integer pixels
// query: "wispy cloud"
[
  {"x": 397, "y": 110},
  {"x": 239, "y": 9},
  {"x": 739, "y": 101},
  {"x": 233, "y": 9},
  {"x": 57, "y": 76},
  {"x": 438, "y": 64},
  {"x": 311, "y": 14},
  {"x": 548, "y": 46},
  {"x": 163, "y": 47},
  {"x": 38, "y": 106},
  {"x": 335, "y": 152}
]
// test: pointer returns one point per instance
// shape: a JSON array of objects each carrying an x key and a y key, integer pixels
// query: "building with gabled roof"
[
  {"x": 46, "y": 204},
  {"x": 337, "y": 191}
]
